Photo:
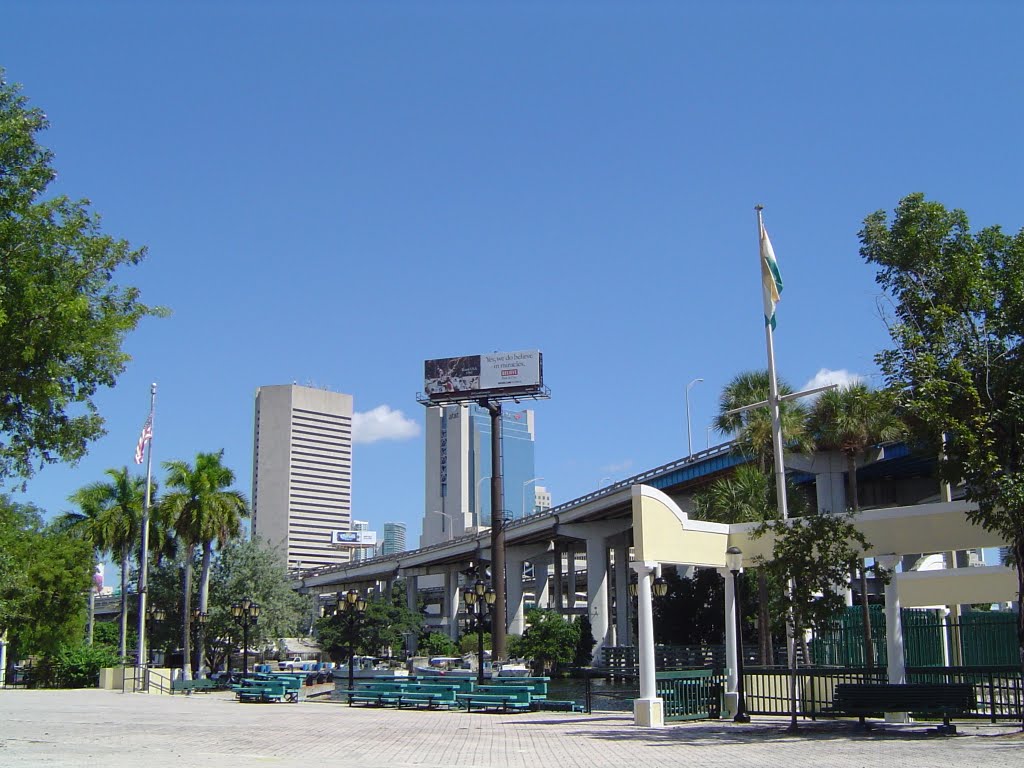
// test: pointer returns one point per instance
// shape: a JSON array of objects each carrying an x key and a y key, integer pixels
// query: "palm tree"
[
  {"x": 123, "y": 499},
  {"x": 87, "y": 524},
  {"x": 851, "y": 420},
  {"x": 753, "y": 428},
  {"x": 204, "y": 509},
  {"x": 749, "y": 496}
]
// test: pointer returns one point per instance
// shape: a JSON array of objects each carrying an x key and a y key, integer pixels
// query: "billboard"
[
  {"x": 452, "y": 379},
  {"x": 354, "y": 538}
]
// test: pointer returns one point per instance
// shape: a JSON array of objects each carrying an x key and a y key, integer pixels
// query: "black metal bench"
[{"x": 875, "y": 699}]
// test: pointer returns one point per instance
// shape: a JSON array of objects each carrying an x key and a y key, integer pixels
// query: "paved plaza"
[{"x": 115, "y": 730}]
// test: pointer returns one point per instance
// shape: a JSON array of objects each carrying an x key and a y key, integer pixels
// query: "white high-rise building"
[
  {"x": 302, "y": 472},
  {"x": 541, "y": 499}
]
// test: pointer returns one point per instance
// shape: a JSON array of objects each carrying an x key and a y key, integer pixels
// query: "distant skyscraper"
[
  {"x": 361, "y": 553},
  {"x": 458, "y": 469},
  {"x": 394, "y": 539},
  {"x": 541, "y": 499},
  {"x": 302, "y": 472}
]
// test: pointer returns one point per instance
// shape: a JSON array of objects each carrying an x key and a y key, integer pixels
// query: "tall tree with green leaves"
[
  {"x": 750, "y": 497},
  {"x": 43, "y": 573},
  {"x": 205, "y": 511},
  {"x": 63, "y": 319},
  {"x": 956, "y": 321},
  {"x": 255, "y": 570},
  {"x": 89, "y": 525},
  {"x": 851, "y": 420},
  {"x": 811, "y": 553}
]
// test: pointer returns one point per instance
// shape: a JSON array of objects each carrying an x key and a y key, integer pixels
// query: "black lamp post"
[
  {"x": 479, "y": 599},
  {"x": 350, "y": 609},
  {"x": 246, "y": 613},
  {"x": 734, "y": 562},
  {"x": 155, "y": 614}
]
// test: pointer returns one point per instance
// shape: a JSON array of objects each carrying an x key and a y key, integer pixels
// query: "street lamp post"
[
  {"x": 155, "y": 615},
  {"x": 478, "y": 601},
  {"x": 734, "y": 563},
  {"x": 523, "y": 510},
  {"x": 689, "y": 435},
  {"x": 350, "y": 609},
  {"x": 246, "y": 613}
]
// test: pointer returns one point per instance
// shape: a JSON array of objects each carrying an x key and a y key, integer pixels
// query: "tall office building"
[
  {"x": 458, "y": 469},
  {"x": 394, "y": 539},
  {"x": 302, "y": 472}
]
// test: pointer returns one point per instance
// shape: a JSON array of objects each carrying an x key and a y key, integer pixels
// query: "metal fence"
[
  {"x": 998, "y": 689},
  {"x": 767, "y": 689}
]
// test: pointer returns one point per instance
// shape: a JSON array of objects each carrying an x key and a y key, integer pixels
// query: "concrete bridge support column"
[
  {"x": 515, "y": 557},
  {"x": 570, "y": 576},
  {"x": 558, "y": 580},
  {"x": 622, "y": 601},
  {"x": 596, "y": 536},
  {"x": 541, "y": 572},
  {"x": 450, "y": 607}
]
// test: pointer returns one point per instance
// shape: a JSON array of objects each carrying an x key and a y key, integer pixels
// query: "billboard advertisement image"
[
  {"x": 465, "y": 378},
  {"x": 354, "y": 538}
]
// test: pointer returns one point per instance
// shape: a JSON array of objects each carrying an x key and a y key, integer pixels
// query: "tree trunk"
[
  {"x": 92, "y": 610},
  {"x": 204, "y": 595},
  {"x": 186, "y": 619},
  {"x": 764, "y": 623},
  {"x": 122, "y": 639}
]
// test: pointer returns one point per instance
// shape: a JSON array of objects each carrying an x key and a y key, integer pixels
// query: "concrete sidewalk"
[{"x": 115, "y": 730}]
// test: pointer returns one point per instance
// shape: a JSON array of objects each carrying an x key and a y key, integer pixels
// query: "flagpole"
[
  {"x": 780, "y": 470},
  {"x": 144, "y": 556}
]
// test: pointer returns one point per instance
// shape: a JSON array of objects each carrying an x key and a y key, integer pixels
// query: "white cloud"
[
  {"x": 382, "y": 423},
  {"x": 824, "y": 377}
]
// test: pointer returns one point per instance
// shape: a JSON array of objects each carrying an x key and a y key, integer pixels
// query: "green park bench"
[
  {"x": 264, "y": 691},
  {"x": 506, "y": 697},
  {"x": 383, "y": 694},
  {"x": 923, "y": 699},
  {"x": 200, "y": 684}
]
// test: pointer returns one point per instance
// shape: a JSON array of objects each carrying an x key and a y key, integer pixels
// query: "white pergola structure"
[{"x": 663, "y": 534}]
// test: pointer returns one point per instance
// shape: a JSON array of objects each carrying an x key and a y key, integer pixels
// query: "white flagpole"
[
  {"x": 144, "y": 555},
  {"x": 780, "y": 476}
]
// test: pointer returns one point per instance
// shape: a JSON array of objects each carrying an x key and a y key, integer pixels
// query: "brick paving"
[{"x": 114, "y": 730}]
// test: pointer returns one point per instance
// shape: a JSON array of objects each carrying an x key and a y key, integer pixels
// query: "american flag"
[{"x": 145, "y": 437}]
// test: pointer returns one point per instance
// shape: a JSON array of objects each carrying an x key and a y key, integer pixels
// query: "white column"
[
  {"x": 621, "y": 636},
  {"x": 893, "y": 633},
  {"x": 648, "y": 710}
]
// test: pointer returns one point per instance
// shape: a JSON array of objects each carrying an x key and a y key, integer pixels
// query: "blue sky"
[{"x": 333, "y": 192}]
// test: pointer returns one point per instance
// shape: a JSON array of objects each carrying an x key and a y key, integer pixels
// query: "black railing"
[
  {"x": 768, "y": 688},
  {"x": 998, "y": 689}
]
